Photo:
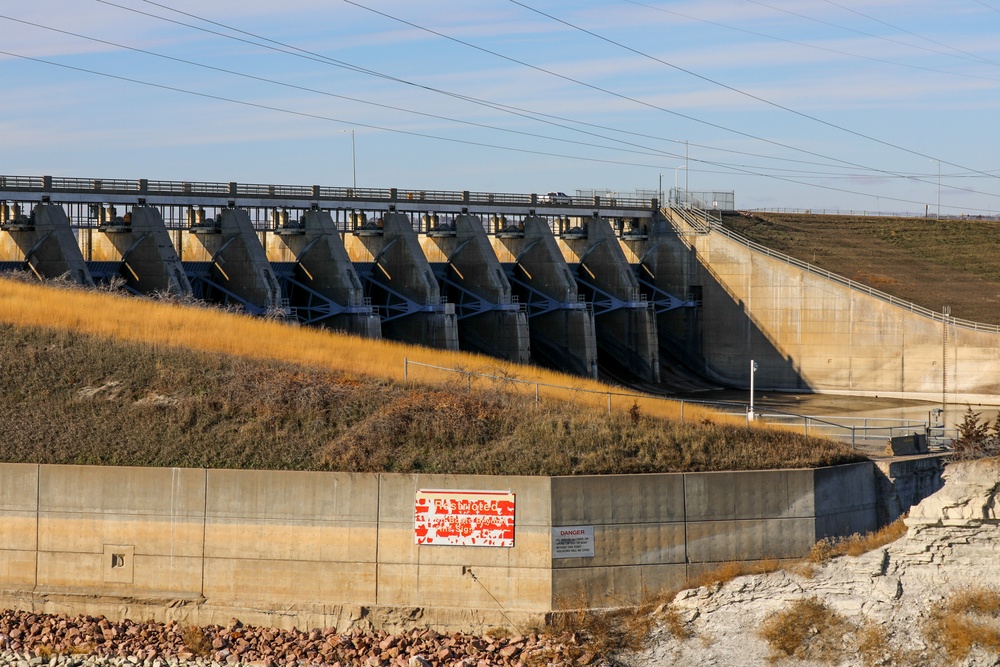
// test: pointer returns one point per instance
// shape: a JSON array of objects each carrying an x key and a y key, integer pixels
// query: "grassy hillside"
[
  {"x": 97, "y": 379},
  {"x": 933, "y": 263}
]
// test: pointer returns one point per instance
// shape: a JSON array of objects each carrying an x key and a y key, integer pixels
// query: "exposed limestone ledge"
[
  {"x": 969, "y": 495},
  {"x": 953, "y": 542}
]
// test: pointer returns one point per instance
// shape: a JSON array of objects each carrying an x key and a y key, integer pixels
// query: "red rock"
[{"x": 509, "y": 651}]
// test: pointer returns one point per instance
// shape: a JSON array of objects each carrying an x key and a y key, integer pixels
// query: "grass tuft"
[
  {"x": 857, "y": 544},
  {"x": 807, "y": 630},
  {"x": 967, "y": 618}
]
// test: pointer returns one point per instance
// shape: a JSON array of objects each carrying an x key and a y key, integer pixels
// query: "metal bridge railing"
[{"x": 57, "y": 184}]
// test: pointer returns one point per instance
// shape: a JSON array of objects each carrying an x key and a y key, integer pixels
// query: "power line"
[
  {"x": 313, "y": 116},
  {"x": 305, "y": 114},
  {"x": 858, "y": 32},
  {"x": 536, "y": 116},
  {"x": 647, "y": 151},
  {"x": 815, "y": 47},
  {"x": 758, "y": 98},
  {"x": 643, "y": 103},
  {"x": 325, "y": 60},
  {"x": 913, "y": 34},
  {"x": 987, "y": 6}
]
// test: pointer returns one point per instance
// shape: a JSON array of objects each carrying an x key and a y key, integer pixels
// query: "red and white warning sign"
[{"x": 464, "y": 518}]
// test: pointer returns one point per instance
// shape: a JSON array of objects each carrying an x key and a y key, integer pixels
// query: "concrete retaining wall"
[
  {"x": 807, "y": 332},
  {"x": 336, "y": 549}
]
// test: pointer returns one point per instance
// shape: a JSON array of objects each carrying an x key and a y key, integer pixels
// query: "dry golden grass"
[
  {"x": 84, "y": 400},
  {"x": 967, "y": 618},
  {"x": 856, "y": 544},
  {"x": 162, "y": 324},
  {"x": 194, "y": 640},
  {"x": 724, "y": 572},
  {"x": 609, "y": 632},
  {"x": 807, "y": 630}
]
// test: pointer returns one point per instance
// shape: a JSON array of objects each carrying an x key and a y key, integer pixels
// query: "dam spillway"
[
  {"x": 485, "y": 272},
  {"x": 581, "y": 284}
]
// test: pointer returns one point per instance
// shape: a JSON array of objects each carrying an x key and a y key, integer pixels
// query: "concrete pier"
[
  {"x": 489, "y": 319},
  {"x": 141, "y": 245},
  {"x": 324, "y": 289},
  {"x": 234, "y": 265},
  {"x": 43, "y": 242},
  {"x": 664, "y": 268},
  {"x": 561, "y": 326},
  {"x": 625, "y": 323},
  {"x": 401, "y": 283}
]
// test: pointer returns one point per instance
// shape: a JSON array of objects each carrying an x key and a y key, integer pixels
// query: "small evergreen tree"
[{"x": 973, "y": 436}]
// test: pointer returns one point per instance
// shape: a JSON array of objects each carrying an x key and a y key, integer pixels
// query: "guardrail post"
[
  {"x": 406, "y": 369},
  {"x": 393, "y": 193},
  {"x": 536, "y": 393},
  {"x": 143, "y": 186},
  {"x": 465, "y": 196},
  {"x": 232, "y": 188},
  {"x": 315, "y": 191}
]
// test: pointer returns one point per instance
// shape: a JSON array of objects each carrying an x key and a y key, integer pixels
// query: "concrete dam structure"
[
  {"x": 483, "y": 272},
  {"x": 591, "y": 283}
]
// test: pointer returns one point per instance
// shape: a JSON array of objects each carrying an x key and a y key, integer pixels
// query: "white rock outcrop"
[{"x": 952, "y": 541}]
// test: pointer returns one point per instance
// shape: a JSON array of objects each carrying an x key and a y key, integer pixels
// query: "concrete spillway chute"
[
  {"x": 490, "y": 320},
  {"x": 317, "y": 276},
  {"x": 137, "y": 248},
  {"x": 400, "y": 282},
  {"x": 625, "y": 322},
  {"x": 43, "y": 243},
  {"x": 226, "y": 263},
  {"x": 561, "y": 326}
]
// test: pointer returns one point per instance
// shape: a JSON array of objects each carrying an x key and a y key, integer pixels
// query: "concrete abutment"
[{"x": 289, "y": 549}]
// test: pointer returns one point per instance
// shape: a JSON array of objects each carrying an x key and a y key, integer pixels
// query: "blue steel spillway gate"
[{"x": 564, "y": 282}]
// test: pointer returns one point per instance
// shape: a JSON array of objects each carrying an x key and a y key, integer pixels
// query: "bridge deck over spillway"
[{"x": 221, "y": 195}]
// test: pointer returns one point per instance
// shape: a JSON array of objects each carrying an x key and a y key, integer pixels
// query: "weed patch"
[
  {"x": 967, "y": 618},
  {"x": 807, "y": 630},
  {"x": 856, "y": 544}
]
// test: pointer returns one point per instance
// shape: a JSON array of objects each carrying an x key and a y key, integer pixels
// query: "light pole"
[
  {"x": 354, "y": 159},
  {"x": 939, "y": 190},
  {"x": 661, "y": 190}
]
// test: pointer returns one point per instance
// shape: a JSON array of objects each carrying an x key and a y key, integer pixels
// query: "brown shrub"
[
  {"x": 857, "y": 544},
  {"x": 807, "y": 630},
  {"x": 968, "y": 617},
  {"x": 730, "y": 570}
]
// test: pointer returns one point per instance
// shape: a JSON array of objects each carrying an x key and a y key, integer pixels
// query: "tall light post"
[
  {"x": 939, "y": 190},
  {"x": 354, "y": 159},
  {"x": 661, "y": 190},
  {"x": 686, "y": 170}
]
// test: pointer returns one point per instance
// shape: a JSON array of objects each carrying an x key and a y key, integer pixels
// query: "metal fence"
[{"x": 868, "y": 433}]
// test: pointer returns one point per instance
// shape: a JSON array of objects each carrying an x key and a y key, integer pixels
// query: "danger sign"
[{"x": 464, "y": 518}]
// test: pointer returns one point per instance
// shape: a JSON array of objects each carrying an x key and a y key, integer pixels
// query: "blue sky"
[{"x": 820, "y": 104}]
